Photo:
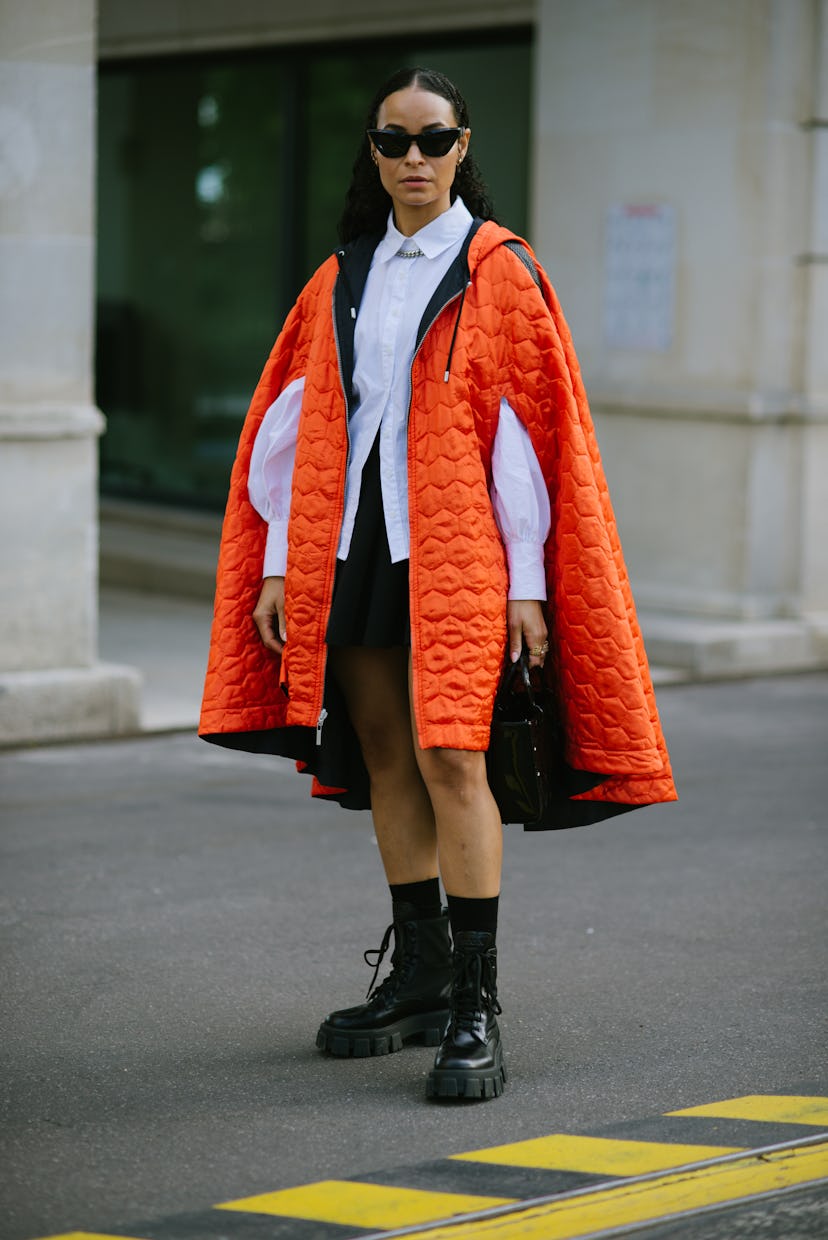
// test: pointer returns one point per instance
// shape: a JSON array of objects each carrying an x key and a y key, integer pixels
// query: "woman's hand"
[
  {"x": 526, "y": 624},
  {"x": 269, "y": 614}
]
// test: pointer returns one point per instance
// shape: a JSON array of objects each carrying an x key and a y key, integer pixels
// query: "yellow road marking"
[
  {"x": 363, "y": 1205},
  {"x": 599, "y": 1155},
  {"x": 577, "y": 1214},
  {"x": 776, "y": 1108},
  {"x": 591, "y": 1213}
]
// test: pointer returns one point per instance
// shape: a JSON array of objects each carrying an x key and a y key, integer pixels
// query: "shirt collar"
[{"x": 433, "y": 239}]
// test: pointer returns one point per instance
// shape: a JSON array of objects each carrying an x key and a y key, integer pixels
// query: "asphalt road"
[{"x": 175, "y": 920}]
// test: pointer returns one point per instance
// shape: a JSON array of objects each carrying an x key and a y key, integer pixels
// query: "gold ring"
[{"x": 537, "y": 651}]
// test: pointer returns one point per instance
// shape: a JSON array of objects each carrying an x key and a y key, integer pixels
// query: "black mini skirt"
[{"x": 370, "y": 599}]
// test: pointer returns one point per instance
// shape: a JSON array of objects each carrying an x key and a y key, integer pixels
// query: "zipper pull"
[
  {"x": 454, "y": 333},
  {"x": 319, "y": 724}
]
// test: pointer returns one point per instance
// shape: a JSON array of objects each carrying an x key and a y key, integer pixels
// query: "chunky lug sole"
[
  {"x": 426, "y": 1027},
  {"x": 468, "y": 1082}
]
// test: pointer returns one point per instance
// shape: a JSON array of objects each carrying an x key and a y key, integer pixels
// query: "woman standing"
[{"x": 417, "y": 496}]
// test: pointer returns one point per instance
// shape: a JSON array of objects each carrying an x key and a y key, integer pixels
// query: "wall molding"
[
  {"x": 310, "y": 23},
  {"x": 27, "y": 422}
]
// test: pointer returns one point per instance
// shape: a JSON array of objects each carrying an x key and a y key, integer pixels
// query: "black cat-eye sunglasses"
[{"x": 394, "y": 144}]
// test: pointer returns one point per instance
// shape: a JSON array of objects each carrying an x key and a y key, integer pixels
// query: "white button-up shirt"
[{"x": 397, "y": 292}]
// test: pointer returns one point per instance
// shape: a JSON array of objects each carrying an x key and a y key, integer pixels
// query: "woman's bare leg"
[
  {"x": 412, "y": 1002},
  {"x": 374, "y": 682},
  {"x": 468, "y": 826}
]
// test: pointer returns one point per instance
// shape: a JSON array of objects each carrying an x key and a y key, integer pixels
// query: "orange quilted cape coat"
[{"x": 489, "y": 332}]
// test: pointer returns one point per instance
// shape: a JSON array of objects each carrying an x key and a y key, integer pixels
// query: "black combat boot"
[
  {"x": 469, "y": 1063},
  {"x": 412, "y": 1002}
]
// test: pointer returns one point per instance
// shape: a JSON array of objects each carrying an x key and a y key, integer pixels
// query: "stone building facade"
[
  {"x": 678, "y": 196},
  {"x": 717, "y": 444}
]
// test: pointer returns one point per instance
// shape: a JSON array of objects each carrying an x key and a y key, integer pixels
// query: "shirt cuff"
[
  {"x": 275, "y": 556},
  {"x": 527, "y": 579}
]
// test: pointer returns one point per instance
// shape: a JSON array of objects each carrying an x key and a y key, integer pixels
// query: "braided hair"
[{"x": 366, "y": 203}]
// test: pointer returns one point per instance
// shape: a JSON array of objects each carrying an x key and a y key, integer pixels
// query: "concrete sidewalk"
[{"x": 166, "y": 639}]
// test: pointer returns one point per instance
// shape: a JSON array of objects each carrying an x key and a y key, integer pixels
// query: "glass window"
[{"x": 220, "y": 182}]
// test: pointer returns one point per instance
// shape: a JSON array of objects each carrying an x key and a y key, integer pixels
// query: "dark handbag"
[{"x": 521, "y": 759}]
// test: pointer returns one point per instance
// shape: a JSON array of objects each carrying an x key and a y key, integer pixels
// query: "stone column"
[
  {"x": 51, "y": 685},
  {"x": 815, "y": 351}
]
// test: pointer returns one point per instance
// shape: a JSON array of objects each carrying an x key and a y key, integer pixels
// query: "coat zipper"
[
  {"x": 323, "y": 713},
  {"x": 435, "y": 317}
]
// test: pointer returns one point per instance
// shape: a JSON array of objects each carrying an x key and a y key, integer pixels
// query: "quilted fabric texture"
[{"x": 511, "y": 341}]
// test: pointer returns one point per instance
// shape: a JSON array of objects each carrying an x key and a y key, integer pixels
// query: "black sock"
[
  {"x": 416, "y": 901},
  {"x": 471, "y": 914}
]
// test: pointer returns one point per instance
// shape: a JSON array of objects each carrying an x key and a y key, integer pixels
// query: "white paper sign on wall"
[{"x": 640, "y": 277}]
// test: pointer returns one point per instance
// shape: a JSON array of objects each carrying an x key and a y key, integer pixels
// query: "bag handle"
[{"x": 506, "y": 681}]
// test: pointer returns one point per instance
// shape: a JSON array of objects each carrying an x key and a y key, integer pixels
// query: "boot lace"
[
  {"x": 401, "y": 957},
  {"x": 474, "y": 989}
]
